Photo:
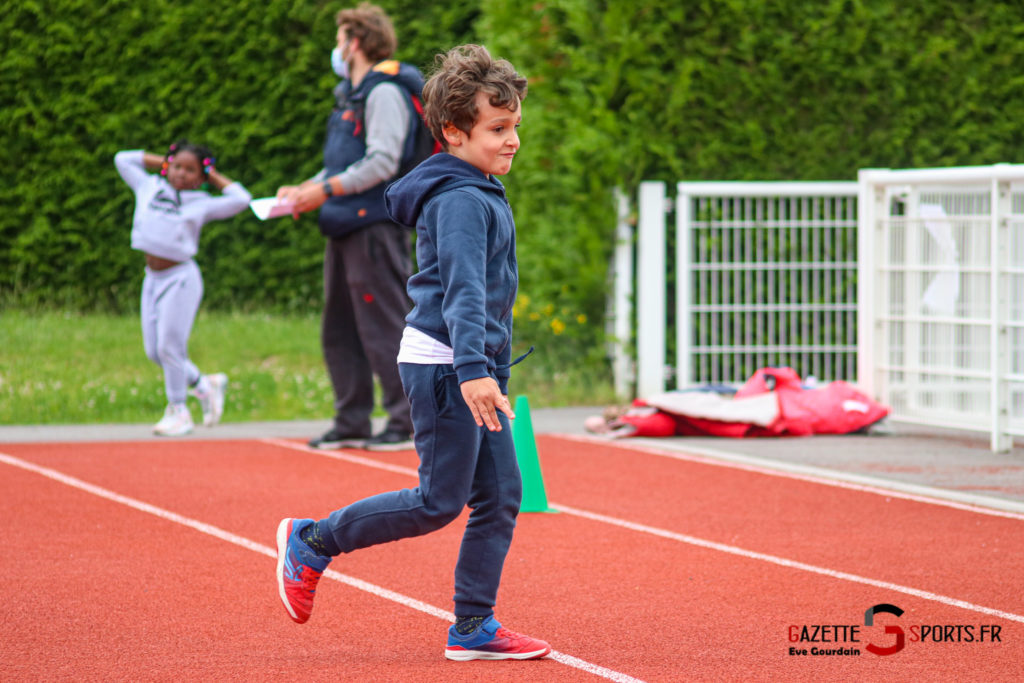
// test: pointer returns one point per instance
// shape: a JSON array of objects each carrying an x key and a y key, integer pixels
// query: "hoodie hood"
[{"x": 406, "y": 197}]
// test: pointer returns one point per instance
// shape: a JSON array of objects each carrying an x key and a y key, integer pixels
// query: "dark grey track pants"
[{"x": 365, "y": 304}]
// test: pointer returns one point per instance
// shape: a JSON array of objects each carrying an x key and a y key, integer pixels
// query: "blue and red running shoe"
[
  {"x": 298, "y": 569},
  {"x": 493, "y": 641}
]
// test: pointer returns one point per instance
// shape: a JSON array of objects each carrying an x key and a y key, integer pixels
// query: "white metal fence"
[
  {"x": 764, "y": 274},
  {"x": 909, "y": 283},
  {"x": 942, "y": 296}
]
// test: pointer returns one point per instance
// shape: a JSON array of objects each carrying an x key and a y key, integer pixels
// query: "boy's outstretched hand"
[{"x": 484, "y": 399}]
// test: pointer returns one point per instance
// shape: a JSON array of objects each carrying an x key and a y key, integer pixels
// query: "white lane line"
[
  {"x": 783, "y": 562},
  {"x": 693, "y": 540},
  {"x": 343, "y": 455},
  {"x": 216, "y": 532},
  {"x": 985, "y": 505}
]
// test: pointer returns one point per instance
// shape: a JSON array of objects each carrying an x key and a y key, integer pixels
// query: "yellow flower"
[
  {"x": 557, "y": 326},
  {"x": 582, "y": 318},
  {"x": 521, "y": 304}
]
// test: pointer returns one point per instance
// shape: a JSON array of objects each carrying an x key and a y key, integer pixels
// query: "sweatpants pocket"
[{"x": 445, "y": 385}]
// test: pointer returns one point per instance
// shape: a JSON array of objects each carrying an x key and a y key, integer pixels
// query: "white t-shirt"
[{"x": 422, "y": 349}]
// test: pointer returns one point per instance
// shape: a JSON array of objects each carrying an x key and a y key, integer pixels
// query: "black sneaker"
[
  {"x": 389, "y": 441},
  {"x": 333, "y": 439}
]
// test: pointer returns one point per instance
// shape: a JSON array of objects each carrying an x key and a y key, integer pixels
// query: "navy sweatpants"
[{"x": 460, "y": 464}]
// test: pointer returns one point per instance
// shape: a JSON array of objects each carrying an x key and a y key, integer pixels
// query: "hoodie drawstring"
[{"x": 517, "y": 360}]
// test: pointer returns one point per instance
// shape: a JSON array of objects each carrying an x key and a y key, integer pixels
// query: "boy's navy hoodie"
[{"x": 466, "y": 252}]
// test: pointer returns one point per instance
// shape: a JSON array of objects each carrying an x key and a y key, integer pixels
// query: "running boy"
[
  {"x": 454, "y": 363},
  {"x": 170, "y": 210}
]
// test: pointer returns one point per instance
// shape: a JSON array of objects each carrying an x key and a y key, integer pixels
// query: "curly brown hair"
[
  {"x": 449, "y": 97},
  {"x": 372, "y": 27}
]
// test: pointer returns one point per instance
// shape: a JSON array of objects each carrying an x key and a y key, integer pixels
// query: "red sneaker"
[
  {"x": 298, "y": 569},
  {"x": 491, "y": 640}
]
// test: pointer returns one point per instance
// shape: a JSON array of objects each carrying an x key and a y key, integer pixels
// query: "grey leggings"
[{"x": 170, "y": 301}]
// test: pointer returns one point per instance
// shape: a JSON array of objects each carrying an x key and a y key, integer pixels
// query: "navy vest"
[{"x": 345, "y": 144}]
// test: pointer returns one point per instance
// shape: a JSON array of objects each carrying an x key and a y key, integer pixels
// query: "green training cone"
[{"x": 534, "y": 497}]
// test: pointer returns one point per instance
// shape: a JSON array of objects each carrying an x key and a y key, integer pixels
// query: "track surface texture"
[{"x": 150, "y": 560}]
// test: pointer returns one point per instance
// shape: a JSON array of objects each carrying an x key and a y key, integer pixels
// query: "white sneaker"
[
  {"x": 177, "y": 421},
  {"x": 210, "y": 392}
]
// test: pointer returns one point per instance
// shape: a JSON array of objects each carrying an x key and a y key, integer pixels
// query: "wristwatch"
[{"x": 328, "y": 190}]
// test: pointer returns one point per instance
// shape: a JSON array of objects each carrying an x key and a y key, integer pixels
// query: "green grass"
[{"x": 70, "y": 368}]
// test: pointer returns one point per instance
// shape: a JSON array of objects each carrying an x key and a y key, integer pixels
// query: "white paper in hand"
[{"x": 270, "y": 207}]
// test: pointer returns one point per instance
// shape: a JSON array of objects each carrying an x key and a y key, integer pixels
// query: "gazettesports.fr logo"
[{"x": 846, "y": 640}]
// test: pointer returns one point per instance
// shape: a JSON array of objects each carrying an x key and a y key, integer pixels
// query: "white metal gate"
[
  {"x": 909, "y": 283},
  {"x": 766, "y": 277},
  {"x": 942, "y": 296},
  {"x": 765, "y": 274}
]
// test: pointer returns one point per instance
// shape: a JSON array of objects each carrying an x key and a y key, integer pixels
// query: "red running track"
[{"x": 153, "y": 561}]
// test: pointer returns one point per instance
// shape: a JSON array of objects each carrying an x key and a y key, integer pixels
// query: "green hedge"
[
  {"x": 619, "y": 92},
  {"x": 81, "y": 80},
  {"x": 625, "y": 91}
]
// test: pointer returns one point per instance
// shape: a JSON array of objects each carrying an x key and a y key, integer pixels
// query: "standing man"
[{"x": 370, "y": 134}]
